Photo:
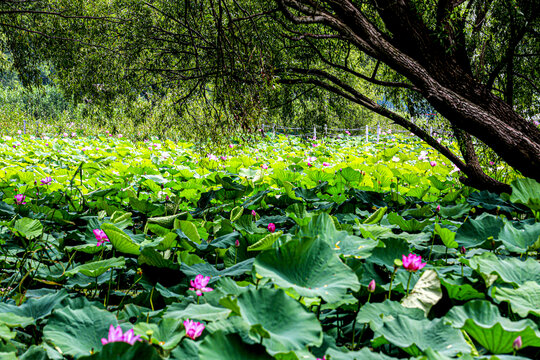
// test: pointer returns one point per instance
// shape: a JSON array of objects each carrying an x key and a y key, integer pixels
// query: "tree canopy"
[{"x": 475, "y": 62}]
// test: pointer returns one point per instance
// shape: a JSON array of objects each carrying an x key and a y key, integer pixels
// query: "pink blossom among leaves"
[
  {"x": 412, "y": 262},
  {"x": 116, "y": 335},
  {"x": 101, "y": 237},
  {"x": 271, "y": 227},
  {"x": 19, "y": 199},
  {"x": 193, "y": 329},
  {"x": 199, "y": 284}
]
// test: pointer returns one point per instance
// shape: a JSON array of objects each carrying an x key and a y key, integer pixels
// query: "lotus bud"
[
  {"x": 518, "y": 343},
  {"x": 371, "y": 286}
]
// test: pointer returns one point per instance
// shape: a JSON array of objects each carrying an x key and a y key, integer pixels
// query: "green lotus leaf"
[
  {"x": 78, "y": 332},
  {"x": 520, "y": 240},
  {"x": 483, "y": 322},
  {"x": 447, "y": 236},
  {"x": 229, "y": 347},
  {"x": 523, "y": 300},
  {"x": 288, "y": 324},
  {"x": 208, "y": 270},
  {"x": 460, "y": 290},
  {"x": 454, "y": 212},
  {"x": 426, "y": 292},
  {"x": 527, "y": 192},
  {"x": 476, "y": 232},
  {"x": 125, "y": 351},
  {"x": 310, "y": 267},
  {"x": 167, "y": 333},
  {"x": 166, "y": 221},
  {"x": 411, "y": 225},
  {"x": 322, "y": 226},
  {"x": 236, "y": 213},
  {"x": 190, "y": 229},
  {"x": 29, "y": 228},
  {"x": 120, "y": 240},
  {"x": 266, "y": 242},
  {"x": 204, "y": 312},
  {"x": 6, "y": 333},
  {"x": 188, "y": 349},
  {"x": 376, "y": 313},
  {"x": 416, "y": 336},
  {"x": 364, "y": 354},
  {"x": 490, "y": 201},
  {"x": 376, "y": 217},
  {"x": 35, "y": 308},
  {"x": 13, "y": 320},
  {"x": 96, "y": 268},
  {"x": 510, "y": 270}
]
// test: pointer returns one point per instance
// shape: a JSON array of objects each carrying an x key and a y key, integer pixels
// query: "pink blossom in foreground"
[
  {"x": 199, "y": 284},
  {"x": 101, "y": 237},
  {"x": 325, "y": 164},
  {"x": 193, "y": 329},
  {"x": 412, "y": 262},
  {"x": 253, "y": 213},
  {"x": 272, "y": 227},
  {"x": 19, "y": 199},
  {"x": 264, "y": 166},
  {"x": 116, "y": 335},
  {"x": 432, "y": 163}
]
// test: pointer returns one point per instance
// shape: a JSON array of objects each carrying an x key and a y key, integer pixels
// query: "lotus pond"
[{"x": 336, "y": 249}]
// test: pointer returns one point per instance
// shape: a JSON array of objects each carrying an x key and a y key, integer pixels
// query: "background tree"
[{"x": 474, "y": 62}]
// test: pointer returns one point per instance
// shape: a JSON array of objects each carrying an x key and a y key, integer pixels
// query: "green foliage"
[{"x": 171, "y": 215}]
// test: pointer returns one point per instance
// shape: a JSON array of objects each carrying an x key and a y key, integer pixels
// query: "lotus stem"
[{"x": 408, "y": 283}]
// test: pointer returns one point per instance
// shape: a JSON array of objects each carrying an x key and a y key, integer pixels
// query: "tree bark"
[{"x": 441, "y": 77}]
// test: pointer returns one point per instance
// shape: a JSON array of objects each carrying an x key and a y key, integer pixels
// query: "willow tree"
[{"x": 475, "y": 62}]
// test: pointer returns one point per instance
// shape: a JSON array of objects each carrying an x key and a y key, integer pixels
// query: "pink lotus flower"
[
  {"x": 371, "y": 286},
  {"x": 115, "y": 335},
  {"x": 412, "y": 262},
  {"x": 19, "y": 199},
  {"x": 432, "y": 163},
  {"x": 46, "y": 181},
  {"x": 237, "y": 243},
  {"x": 199, "y": 284},
  {"x": 272, "y": 227},
  {"x": 231, "y": 146},
  {"x": 101, "y": 237},
  {"x": 193, "y": 329},
  {"x": 315, "y": 144},
  {"x": 253, "y": 213},
  {"x": 309, "y": 164},
  {"x": 325, "y": 164},
  {"x": 223, "y": 158},
  {"x": 347, "y": 132},
  {"x": 438, "y": 208},
  {"x": 264, "y": 166}
]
